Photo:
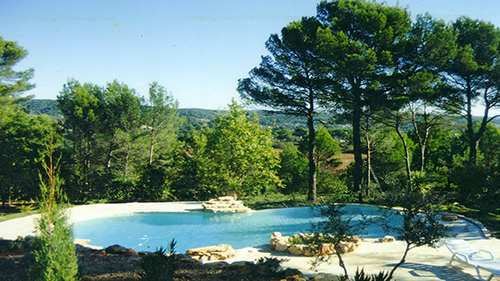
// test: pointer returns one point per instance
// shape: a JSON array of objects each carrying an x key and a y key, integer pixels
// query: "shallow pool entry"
[{"x": 149, "y": 231}]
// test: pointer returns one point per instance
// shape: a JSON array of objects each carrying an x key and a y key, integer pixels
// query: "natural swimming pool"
[{"x": 150, "y": 230}]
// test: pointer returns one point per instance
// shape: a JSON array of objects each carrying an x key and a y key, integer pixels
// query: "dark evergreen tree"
[
  {"x": 473, "y": 74},
  {"x": 12, "y": 83},
  {"x": 360, "y": 40},
  {"x": 291, "y": 81}
]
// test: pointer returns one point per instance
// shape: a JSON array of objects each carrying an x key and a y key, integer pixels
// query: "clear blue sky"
[{"x": 197, "y": 49}]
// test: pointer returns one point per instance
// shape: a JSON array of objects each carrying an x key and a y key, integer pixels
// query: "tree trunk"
[
  {"x": 474, "y": 138},
  {"x": 407, "y": 155},
  {"x": 312, "y": 165},
  {"x": 368, "y": 164},
  {"x": 358, "y": 159},
  {"x": 151, "y": 146},
  {"x": 110, "y": 155},
  {"x": 422, "y": 140},
  {"x": 10, "y": 196},
  {"x": 470, "y": 127},
  {"x": 341, "y": 262},
  {"x": 403, "y": 260},
  {"x": 375, "y": 179},
  {"x": 422, "y": 157},
  {"x": 127, "y": 155}
]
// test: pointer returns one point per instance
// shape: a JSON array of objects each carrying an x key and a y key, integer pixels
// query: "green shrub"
[
  {"x": 313, "y": 239},
  {"x": 268, "y": 269},
  {"x": 160, "y": 265},
  {"x": 362, "y": 276},
  {"x": 26, "y": 208}
]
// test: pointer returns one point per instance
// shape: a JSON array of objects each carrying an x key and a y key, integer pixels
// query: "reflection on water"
[{"x": 226, "y": 217}]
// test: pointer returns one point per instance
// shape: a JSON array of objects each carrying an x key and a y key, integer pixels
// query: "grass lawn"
[{"x": 15, "y": 211}]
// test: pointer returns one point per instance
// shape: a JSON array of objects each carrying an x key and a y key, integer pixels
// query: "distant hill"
[
  {"x": 49, "y": 107},
  {"x": 198, "y": 113}
]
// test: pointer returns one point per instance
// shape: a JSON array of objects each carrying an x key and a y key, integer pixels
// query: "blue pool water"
[{"x": 149, "y": 231}]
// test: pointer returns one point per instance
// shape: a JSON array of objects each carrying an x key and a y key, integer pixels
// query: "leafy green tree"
[
  {"x": 291, "y": 81},
  {"x": 282, "y": 136},
  {"x": 12, "y": 82},
  {"x": 397, "y": 120},
  {"x": 153, "y": 184},
  {"x": 123, "y": 120},
  {"x": 428, "y": 48},
  {"x": 18, "y": 153},
  {"x": 473, "y": 76},
  {"x": 477, "y": 185},
  {"x": 22, "y": 142},
  {"x": 109, "y": 130},
  {"x": 160, "y": 118},
  {"x": 83, "y": 107},
  {"x": 293, "y": 169},
  {"x": 420, "y": 222},
  {"x": 488, "y": 146},
  {"x": 443, "y": 144},
  {"x": 335, "y": 229},
  {"x": 360, "y": 41},
  {"x": 388, "y": 159},
  {"x": 326, "y": 148},
  {"x": 186, "y": 131},
  {"x": 371, "y": 129},
  {"x": 236, "y": 154}
]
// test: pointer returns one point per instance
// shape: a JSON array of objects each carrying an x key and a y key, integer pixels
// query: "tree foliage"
[
  {"x": 237, "y": 155},
  {"x": 292, "y": 80},
  {"x": 472, "y": 74},
  {"x": 54, "y": 252},
  {"x": 420, "y": 222},
  {"x": 161, "y": 117},
  {"x": 112, "y": 133},
  {"x": 22, "y": 142},
  {"x": 293, "y": 170},
  {"x": 360, "y": 42},
  {"x": 12, "y": 82}
]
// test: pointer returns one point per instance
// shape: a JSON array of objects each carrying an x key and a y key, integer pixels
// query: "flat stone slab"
[{"x": 210, "y": 253}]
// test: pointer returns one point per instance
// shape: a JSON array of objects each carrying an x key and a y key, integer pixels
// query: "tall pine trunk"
[
  {"x": 422, "y": 139},
  {"x": 151, "y": 146},
  {"x": 470, "y": 129},
  {"x": 311, "y": 196},
  {"x": 407, "y": 156},
  {"x": 368, "y": 164},
  {"x": 127, "y": 155},
  {"x": 358, "y": 159}
]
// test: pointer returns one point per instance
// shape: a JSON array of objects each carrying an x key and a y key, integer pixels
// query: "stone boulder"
[
  {"x": 387, "y": 239},
  {"x": 326, "y": 277},
  {"x": 120, "y": 250},
  {"x": 447, "y": 217},
  {"x": 225, "y": 204},
  {"x": 212, "y": 253},
  {"x": 282, "y": 243}
]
